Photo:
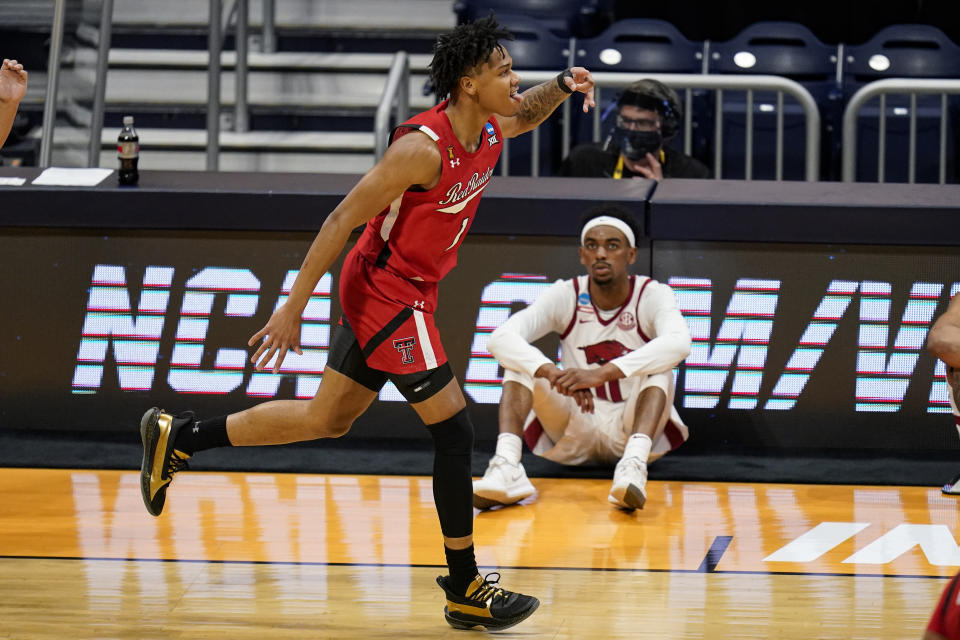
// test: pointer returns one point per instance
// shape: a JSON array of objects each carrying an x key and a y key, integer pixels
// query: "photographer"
[{"x": 648, "y": 114}]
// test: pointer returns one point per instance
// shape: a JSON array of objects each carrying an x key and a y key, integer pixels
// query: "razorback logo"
[{"x": 604, "y": 352}]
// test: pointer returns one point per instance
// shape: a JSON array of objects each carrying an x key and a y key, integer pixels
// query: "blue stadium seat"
[
  {"x": 778, "y": 48},
  {"x": 652, "y": 46},
  {"x": 534, "y": 47},
  {"x": 782, "y": 49},
  {"x": 579, "y": 18},
  {"x": 904, "y": 51}
]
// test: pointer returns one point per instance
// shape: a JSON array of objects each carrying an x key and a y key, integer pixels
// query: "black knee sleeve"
[{"x": 452, "y": 480}]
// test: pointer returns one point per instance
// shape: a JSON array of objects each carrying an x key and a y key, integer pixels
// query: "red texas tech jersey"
[{"x": 417, "y": 236}]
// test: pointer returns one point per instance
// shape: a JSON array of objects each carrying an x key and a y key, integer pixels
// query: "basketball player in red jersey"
[{"x": 418, "y": 203}]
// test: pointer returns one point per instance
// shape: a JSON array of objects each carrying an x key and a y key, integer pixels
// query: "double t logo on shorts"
[{"x": 405, "y": 347}]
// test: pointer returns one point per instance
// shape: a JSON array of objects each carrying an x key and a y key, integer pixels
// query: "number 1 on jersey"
[{"x": 463, "y": 227}]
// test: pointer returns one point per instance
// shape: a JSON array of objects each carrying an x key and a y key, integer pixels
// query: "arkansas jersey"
[
  {"x": 591, "y": 341},
  {"x": 417, "y": 237},
  {"x": 645, "y": 335}
]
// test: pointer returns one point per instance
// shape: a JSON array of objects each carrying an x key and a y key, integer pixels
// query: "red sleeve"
[{"x": 947, "y": 614}]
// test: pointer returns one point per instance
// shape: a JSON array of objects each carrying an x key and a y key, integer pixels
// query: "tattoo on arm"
[{"x": 539, "y": 102}]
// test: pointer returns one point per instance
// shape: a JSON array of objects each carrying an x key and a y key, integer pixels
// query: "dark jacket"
[{"x": 593, "y": 161}]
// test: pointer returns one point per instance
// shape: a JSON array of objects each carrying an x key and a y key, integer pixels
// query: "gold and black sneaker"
[
  {"x": 486, "y": 605},
  {"x": 158, "y": 431}
]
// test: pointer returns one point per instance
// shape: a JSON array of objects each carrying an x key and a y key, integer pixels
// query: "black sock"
[
  {"x": 203, "y": 434},
  {"x": 463, "y": 568}
]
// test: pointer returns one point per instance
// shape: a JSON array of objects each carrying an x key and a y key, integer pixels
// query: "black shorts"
[{"x": 346, "y": 357}]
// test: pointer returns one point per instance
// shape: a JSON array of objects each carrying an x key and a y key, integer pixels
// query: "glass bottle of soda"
[{"x": 128, "y": 150}]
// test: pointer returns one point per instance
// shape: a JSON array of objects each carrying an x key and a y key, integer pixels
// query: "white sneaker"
[
  {"x": 952, "y": 488},
  {"x": 503, "y": 483},
  {"x": 629, "y": 490}
]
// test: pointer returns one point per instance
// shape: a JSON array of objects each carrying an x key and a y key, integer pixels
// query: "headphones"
[{"x": 655, "y": 96}]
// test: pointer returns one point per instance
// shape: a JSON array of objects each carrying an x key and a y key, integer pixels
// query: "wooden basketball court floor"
[{"x": 246, "y": 555}]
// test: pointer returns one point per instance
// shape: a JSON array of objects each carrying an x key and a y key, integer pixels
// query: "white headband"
[{"x": 610, "y": 221}]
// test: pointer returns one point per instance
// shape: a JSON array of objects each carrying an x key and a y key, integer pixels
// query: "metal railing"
[
  {"x": 882, "y": 88},
  {"x": 238, "y": 8},
  {"x": 718, "y": 83},
  {"x": 53, "y": 81},
  {"x": 396, "y": 97},
  {"x": 396, "y": 92},
  {"x": 104, "y": 36},
  {"x": 218, "y": 30},
  {"x": 269, "y": 42}
]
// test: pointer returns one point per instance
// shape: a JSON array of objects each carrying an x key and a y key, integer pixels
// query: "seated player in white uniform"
[
  {"x": 621, "y": 335},
  {"x": 944, "y": 343}
]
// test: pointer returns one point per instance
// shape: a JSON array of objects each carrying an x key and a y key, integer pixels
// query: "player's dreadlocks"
[{"x": 456, "y": 53}]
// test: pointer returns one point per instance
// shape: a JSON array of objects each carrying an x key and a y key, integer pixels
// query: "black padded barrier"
[{"x": 116, "y": 299}]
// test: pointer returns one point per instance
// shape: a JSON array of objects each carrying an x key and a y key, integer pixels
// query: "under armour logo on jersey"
[
  {"x": 454, "y": 161},
  {"x": 419, "y": 304},
  {"x": 405, "y": 347}
]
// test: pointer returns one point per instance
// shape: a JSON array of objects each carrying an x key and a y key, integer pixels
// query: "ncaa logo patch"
[
  {"x": 583, "y": 298},
  {"x": 492, "y": 133}
]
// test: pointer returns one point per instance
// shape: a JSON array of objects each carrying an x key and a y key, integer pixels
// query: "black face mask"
[{"x": 635, "y": 145}]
